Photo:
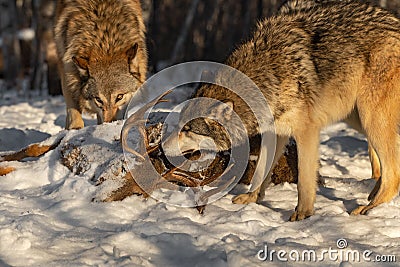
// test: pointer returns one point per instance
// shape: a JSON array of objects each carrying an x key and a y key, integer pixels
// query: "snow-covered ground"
[{"x": 47, "y": 217}]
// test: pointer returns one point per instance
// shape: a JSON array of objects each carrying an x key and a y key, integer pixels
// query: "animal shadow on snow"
[
  {"x": 350, "y": 147},
  {"x": 12, "y": 139}
]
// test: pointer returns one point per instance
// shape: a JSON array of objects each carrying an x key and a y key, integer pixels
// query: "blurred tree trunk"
[
  {"x": 36, "y": 57},
  {"x": 10, "y": 46},
  {"x": 185, "y": 30},
  {"x": 48, "y": 47},
  {"x": 44, "y": 63},
  {"x": 150, "y": 19},
  {"x": 208, "y": 30},
  {"x": 177, "y": 31}
]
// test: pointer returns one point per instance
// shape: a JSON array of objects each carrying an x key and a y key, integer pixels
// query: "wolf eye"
[
  {"x": 119, "y": 98},
  {"x": 98, "y": 100}
]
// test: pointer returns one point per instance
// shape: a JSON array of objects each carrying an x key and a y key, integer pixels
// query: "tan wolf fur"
[
  {"x": 353, "y": 119},
  {"x": 103, "y": 58},
  {"x": 317, "y": 65}
]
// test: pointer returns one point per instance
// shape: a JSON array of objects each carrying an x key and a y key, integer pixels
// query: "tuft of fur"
[{"x": 103, "y": 58}]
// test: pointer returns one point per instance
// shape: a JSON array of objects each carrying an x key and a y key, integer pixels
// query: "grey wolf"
[
  {"x": 315, "y": 65},
  {"x": 102, "y": 56}
]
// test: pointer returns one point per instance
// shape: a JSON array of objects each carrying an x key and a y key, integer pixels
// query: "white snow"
[{"x": 47, "y": 217}]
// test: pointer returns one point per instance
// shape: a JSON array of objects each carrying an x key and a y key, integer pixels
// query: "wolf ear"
[
  {"x": 224, "y": 110},
  {"x": 133, "y": 60},
  {"x": 82, "y": 64}
]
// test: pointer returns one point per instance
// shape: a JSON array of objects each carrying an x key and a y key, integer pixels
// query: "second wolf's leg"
[
  {"x": 74, "y": 118},
  {"x": 74, "y": 112},
  {"x": 258, "y": 194},
  {"x": 307, "y": 147}
]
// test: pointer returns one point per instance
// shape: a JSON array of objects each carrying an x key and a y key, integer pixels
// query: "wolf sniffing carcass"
[
  {"x": 316, "y": 64},
  {"x": 102, "y": 56}
]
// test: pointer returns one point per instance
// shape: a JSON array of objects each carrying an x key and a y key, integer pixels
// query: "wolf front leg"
[
  {"x": 74, "y": 112},
  {"x": 258, "y": 194},
  {"x": 307, "y": 149},
  {"x": 74, "y": 119}
]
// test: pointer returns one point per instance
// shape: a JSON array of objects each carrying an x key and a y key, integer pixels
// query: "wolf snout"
[
  {"x": 187, "y": 142},
  {"x": 170, "y": 145}
]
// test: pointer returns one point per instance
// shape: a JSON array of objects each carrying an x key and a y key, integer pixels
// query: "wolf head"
[
  {"x": 108, "y": 82},
  {"x": 202, "y": 126}
]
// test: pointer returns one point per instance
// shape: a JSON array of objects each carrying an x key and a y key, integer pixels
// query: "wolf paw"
[
  {"x": 74, "y": 120},
  {"x": 245, "y": 198},
  {"x": 75, "y": 125},
  {"x": 361, "y": 210},
  {"x": 298, "y": 216}
]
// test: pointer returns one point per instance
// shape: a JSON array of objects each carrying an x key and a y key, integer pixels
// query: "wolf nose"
[
  {"x": 208, "y": 145},
  {"x": 170, "y": 145},
  {"x": 109, "y": 115}
]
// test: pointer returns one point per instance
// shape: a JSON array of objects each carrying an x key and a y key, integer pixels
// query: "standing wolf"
[
  {"x": 103, "y": 58},
  {"x": 315, "y": 65}
]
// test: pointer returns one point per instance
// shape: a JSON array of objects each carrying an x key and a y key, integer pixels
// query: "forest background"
[{"x": 177, "y": 31}]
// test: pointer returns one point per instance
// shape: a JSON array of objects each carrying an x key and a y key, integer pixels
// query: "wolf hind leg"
[
  {"x": 353, "y": 120},
  {"x": 376, "y": 170},
  {"x": 381, "y": 125},
  {"x": 375, "y": 163}
]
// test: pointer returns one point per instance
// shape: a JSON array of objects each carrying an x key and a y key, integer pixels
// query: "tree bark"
[
  {"x": 10, "y": 45},
  {"x": 184, "y": 31}
]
